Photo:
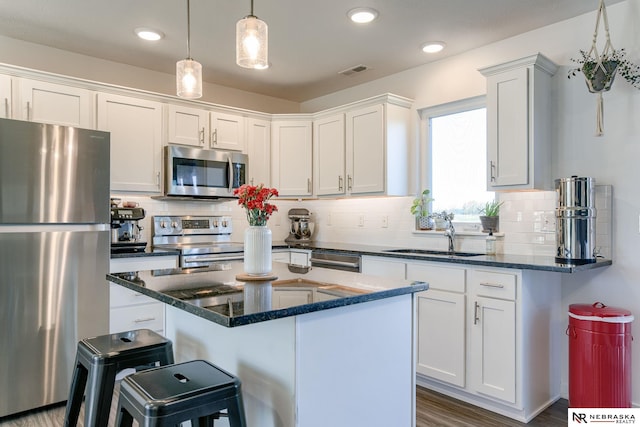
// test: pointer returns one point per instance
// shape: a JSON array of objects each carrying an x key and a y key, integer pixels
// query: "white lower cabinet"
[
  {"x": 489, "y": 336},
  {"x": 131, "y": 310},
  {"x": 441, "y": 322},
  {"x": 493, "y": 333}
]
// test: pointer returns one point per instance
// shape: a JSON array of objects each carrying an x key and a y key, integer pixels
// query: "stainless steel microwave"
[{"x": 194, "y": 172}]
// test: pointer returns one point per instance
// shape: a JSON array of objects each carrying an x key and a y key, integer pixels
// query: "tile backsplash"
[{"x": 527, "y": 220}]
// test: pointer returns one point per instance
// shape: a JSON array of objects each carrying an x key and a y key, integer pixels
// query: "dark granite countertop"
[
  {"x": 148, "y": 252},
  {"x": 218, "y": 296},
  {"x": 521, "y": 262}
]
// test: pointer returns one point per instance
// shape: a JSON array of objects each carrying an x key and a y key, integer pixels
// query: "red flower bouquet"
[{"x": 255, "y": 201}]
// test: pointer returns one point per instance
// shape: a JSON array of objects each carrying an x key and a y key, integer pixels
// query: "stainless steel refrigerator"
[{"x": 54, "y": 255}]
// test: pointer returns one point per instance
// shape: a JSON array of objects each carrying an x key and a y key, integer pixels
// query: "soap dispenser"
[{"x": 491, "y": 243}]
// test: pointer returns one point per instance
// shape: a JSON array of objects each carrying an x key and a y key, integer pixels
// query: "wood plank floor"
[
  {"x": 433, "y": 410},
  {"x": 437, "y": 410}
]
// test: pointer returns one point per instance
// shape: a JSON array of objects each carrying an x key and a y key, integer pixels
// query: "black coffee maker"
[{"x": 126, "y": 231}]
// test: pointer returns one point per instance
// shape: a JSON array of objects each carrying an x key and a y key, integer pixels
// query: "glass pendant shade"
[
  {"x": 189, "y": 79},
  {"x": 252, "y": 43}
]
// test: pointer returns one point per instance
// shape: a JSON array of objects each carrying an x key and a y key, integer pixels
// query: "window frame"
[{"x": 425, "y": 115}]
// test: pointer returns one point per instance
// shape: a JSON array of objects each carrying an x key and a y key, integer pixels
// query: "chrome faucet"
[{"x": 450, "y": 232}]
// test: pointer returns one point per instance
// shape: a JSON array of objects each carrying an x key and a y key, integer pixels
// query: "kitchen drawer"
[
  {"x": 300, "y": 258},
  {"x": 440, "y": 278},
  {"x": 149, "y": 316},
  {"x": 494, "y": 284},
  {"x": 121, "y": 297},
  {"x": 142, "y": 263}
]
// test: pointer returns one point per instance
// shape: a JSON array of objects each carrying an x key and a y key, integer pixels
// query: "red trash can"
[{"x": 599, "y": 356}]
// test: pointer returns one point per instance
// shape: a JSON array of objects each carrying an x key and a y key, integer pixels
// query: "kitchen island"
[{"x": 312, "y": 348}]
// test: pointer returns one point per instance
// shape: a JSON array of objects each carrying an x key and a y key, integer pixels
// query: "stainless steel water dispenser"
[{"x": 576, "y": 220}]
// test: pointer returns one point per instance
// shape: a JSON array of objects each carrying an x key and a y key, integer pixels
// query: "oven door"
[{"x": 203, "y": 173}]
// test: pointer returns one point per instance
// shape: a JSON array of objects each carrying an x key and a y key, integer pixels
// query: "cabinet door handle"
[
  {"x": 308, "y": 185},
  {"x": 214, "y": 137},
  {"x": 339, "y": 182},
  {"x": 476, "y": 310},
  {"x": 492, "y": 168},
  {"x": 6, "y": 108},
  {"x": 492, "y": 285},
  {"x": 144, "y": 319},
  {"x": 28, "y": 111},
  {"x": 251, "y": 181},
  {"x": 158, "y": 180},
  {"x": 230, "y": 174},
  {"x": 202, "y": 136},
  {"x": 349, "y": 183}
]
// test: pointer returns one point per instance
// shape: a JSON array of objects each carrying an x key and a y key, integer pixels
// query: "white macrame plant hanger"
[{"x": 598, "y": 57}]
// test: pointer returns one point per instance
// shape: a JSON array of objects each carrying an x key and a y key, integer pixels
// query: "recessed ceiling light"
[
  {"x": 433, "y": 47},
  {"x": 149, "y": 34},
  {"x": 362, "y": 15}
]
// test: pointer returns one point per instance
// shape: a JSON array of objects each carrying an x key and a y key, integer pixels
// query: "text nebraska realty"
[{"x": 599, "y": 418}]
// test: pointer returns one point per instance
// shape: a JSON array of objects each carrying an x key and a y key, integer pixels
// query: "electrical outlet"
[
  {"x": 385, "y": 221},
  {"x": 361, "y": 221}
]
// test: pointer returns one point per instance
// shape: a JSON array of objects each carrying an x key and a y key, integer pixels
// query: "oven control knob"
[
  {"x": 163, "y": 224},
  {"x": 215, "y": 223},
  {"x": 224, "y": 223},
  {"x": 174, "y": 224}
]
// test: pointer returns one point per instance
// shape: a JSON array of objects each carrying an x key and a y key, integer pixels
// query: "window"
[{"x": 454, "y": 167}]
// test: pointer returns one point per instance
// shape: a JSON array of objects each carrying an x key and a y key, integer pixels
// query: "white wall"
[
  {"x": 43, "y": 58},
  {"x": 612, "y": 159}
]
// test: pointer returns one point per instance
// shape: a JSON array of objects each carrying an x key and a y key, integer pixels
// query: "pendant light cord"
[
  {"x": 251, "y": 13},
  {"x": 189, "y": 29}
]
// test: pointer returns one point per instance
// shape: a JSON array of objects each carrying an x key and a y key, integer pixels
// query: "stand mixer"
[{"x": 301, "y": 227}]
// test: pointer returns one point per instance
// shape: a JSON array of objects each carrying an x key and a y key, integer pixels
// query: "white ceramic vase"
[{"x": 257, "y": 250}]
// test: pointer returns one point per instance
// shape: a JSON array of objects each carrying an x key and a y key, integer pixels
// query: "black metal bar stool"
[
  {"x": 169, "y": 395},
  {"x": 99, "y": 359}
]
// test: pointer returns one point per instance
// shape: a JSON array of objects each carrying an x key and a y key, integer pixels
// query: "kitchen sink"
[{"x": 432, "y": 252}]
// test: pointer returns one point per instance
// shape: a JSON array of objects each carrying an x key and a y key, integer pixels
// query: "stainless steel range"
[{"x": 204, "y": 242}]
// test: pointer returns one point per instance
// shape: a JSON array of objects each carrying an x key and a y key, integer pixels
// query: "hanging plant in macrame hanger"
[{"x": 600, "y": 68}]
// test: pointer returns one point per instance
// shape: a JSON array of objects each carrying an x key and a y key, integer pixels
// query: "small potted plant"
[
  {"x": 420, "y": 209},
  {"x": 491, "y": 216},
  {"x": 599, "y": 75}
]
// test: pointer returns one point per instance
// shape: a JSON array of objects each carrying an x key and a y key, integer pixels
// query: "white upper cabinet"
[
  {"x": 291, "y": 157},
  {"x": 54, "y": 103},
  {"x": 5, "y": 96},
  {"x": 366, "y": 166},
  {"x": 187, "y": 126},
  {"x": 519, "y": 124},
  {"x": 363, "y": 148},
  {"x": 259, "y": 151},
  {"x": 201, "y": 128},
  {"x": 377, "y": 148},
  {"x": 329, "y": 155},
  {"x": 136, "y": 144},
  {"x": 227, "y": 131}
]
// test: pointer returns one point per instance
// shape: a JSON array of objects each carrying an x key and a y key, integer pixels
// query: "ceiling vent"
[{"x": 354, "y": 70}]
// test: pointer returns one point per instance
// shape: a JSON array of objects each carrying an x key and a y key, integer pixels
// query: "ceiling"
[{"x": 310, "y": 42}]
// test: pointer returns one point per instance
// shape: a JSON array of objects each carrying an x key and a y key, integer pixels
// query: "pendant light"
[
  {"x": 188, "y": 71},
  {"x": 252, "y": 42}
]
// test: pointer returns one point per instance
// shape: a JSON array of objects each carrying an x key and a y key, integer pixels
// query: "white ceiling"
[{"x": 309, "y": 41}]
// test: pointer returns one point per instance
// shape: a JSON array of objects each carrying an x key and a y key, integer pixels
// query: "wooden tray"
[{"x": 244, "y": 277}]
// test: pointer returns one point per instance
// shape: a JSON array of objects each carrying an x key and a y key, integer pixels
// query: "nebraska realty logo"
[{"x": 602, "y": 416}]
